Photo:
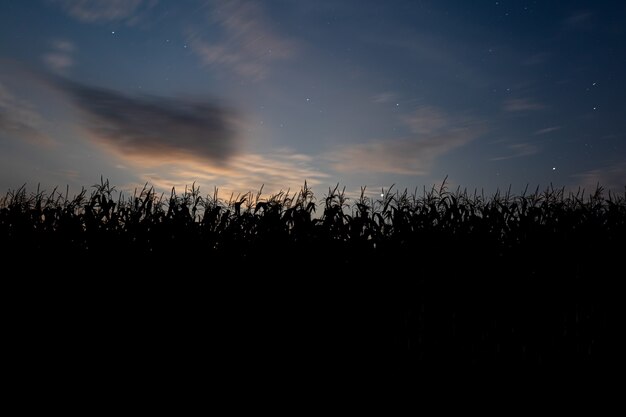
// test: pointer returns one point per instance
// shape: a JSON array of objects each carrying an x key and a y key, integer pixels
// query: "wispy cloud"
[
  {"x": 435, "y": 134},
  {"x": 100, "y": 10},
  {"x": 428, "y": 50},
  {"x": 276, "y": 171},
  {"x": 536, "y": 59},
  {"x": 518, "y": 150},
  {"x": 157, "y": 128},
  {"x": 611, "y": 177},
  {"x": 19, "y": 120},
  {"x": 59, "y": 59},
  {"x": 63, "y": 45},
  {"x": 247, "y": 43},
  {"x": 384, "y": 97},
  {"x": 578, "y": 19},
  {"x": 547, "y": 130},
  {"x": 58, "y": 62},
  {"x": 428, "y": 120},
  {"x": 522, "y": 105}
]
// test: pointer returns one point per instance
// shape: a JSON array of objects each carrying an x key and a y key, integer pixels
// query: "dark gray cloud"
[{"x": 156, "y": 127}]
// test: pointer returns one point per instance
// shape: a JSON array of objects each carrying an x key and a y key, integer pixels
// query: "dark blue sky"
[{"x": 235, "y": 94}]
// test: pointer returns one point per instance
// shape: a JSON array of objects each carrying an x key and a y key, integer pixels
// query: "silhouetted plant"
[{"x": 432, "y": 257}]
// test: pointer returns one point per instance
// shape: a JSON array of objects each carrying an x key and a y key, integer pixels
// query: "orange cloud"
[{"x": 245, "y": 172}]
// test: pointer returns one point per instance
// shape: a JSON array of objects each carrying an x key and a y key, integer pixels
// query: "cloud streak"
[
  {"x": 59, "y": 59},
  {"x": 99, "y": 10},
  {"x": 247, "y": 44},
  {"x": 276, "y": 171},
  {"x": 19, "y": 120},
  {"x": 579, "y": 19},
  {"x": 384, "y": 97},
  {"x": 428, "y": 120},
  {"x": 517, "y": 105},
  {"x": 547, "y": 130},
  {"x": 611, "y": 177},
  {"x": 156, "y": 128},
  {"x": 434, "y": 134},
  {"x": 518, "y": 150}
]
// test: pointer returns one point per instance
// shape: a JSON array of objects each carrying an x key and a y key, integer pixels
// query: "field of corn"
[{"x": 431, "y": 275}]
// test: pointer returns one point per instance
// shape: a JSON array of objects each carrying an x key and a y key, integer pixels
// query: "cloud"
[
  {"x": 58, "y": 62},
  {"x": 385, "y": 97},
  {"x": 435, "y": 134},
  {"x": 579, "y": 19},
  {"x": 428, "y": 51},
  {"x": 522, "y": 105},
  {"x": 156, "y": 128},
  {"x": 63, "y": 45},
  {"x": 99, "y": 10},
  {"x": 547, "y": 130},
  {"x": 276, "y": 171},
  {"x": 536, "y": 59},
  {"x": 60, "y": 58},
  {"x": 611, "y": 177},
  {"x": 427, "y": 120},
  {"x": 19, "y": 119},
  {"x": 518, "y": 150},
  {"x": 246, "y": 44},
  {"x": 174, "y": 141}
]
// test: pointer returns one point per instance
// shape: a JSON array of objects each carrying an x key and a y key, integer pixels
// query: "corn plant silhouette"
[{"x": 436, "y": 274}]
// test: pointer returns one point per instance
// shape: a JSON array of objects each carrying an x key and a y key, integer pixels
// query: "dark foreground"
[{"x": 190, "y": 281}]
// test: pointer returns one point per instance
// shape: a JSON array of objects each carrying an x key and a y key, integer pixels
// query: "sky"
[{"x": 237, "y": 94}]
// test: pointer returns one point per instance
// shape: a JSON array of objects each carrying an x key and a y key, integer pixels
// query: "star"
[{"x": 553, "y": 168}]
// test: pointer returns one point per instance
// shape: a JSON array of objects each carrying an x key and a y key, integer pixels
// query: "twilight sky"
[{"x": 239, "y": 93}]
